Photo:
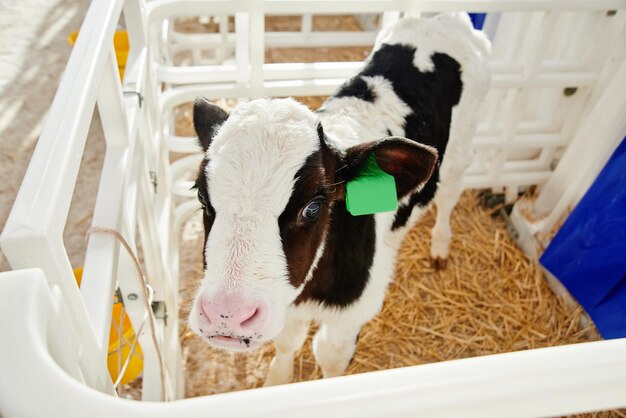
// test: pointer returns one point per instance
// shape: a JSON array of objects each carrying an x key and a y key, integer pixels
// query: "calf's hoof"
[
  {"x": 439, "y": 263},
  {"x": 274, "y": 381},
  {"x": 280, "y": 372}
]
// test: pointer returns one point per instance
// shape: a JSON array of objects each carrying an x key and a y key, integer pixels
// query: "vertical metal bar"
[
  {"x": 242, "y": 48},
  {"x": 306, "y": 27},
  {"x": 99, "y": 276},
  {"x": 532, "y": 53},
  {"x": 135, "y": 18},
  {"x": 389, "y": 18},
  {"x": 511, "y": 108},
  {"x": 256, "y": 41},
  {"x": 111, "y": 104},
  {"x": 101, "y": 258},
  {"x": 220, "y": 52}
]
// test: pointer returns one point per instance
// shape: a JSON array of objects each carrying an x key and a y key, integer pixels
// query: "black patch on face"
[
  {"x": 343, "y": 271},
  {"x": 300, "y": 237},
  {"x": 430, "y": 95},
  {"x": 356, "y": 87},
  {"x": 208, "y": 212}
]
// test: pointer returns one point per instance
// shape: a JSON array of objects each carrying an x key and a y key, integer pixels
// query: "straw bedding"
[{"x": 490, "y": 299}]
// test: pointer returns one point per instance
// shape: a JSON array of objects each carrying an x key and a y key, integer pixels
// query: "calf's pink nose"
[{"x": 233, "y": 312}]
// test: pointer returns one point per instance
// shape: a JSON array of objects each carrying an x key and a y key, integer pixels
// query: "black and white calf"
[{"x": 280, "y": 248}]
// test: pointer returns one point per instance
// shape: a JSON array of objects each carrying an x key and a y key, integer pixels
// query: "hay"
[{"x": 490, "y": 299}]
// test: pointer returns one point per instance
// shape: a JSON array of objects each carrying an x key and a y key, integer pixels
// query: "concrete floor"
[{"x": 33, "y": 54}]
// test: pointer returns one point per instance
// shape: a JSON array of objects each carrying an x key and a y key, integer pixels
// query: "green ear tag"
[{"x": 373, "y": 191}]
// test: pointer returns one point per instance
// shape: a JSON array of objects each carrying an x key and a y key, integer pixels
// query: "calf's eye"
[
  {"x": 202, "y": 198},
  {"x": 312, "y": 211}
]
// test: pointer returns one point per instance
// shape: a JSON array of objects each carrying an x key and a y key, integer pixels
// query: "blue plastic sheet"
[
  {"x": 478, "y": 19},
  {"x": 588, "y": 254}
]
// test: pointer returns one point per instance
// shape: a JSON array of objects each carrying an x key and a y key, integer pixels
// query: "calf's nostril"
[
  {"x": 205, "y": 311},
  {"x": 248, "y": 320},
  {"x": 228, "y": 313}
]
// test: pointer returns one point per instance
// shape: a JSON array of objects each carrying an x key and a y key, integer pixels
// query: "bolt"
[
  {"x": 554, "y": 163},
  {"x": 153, "y": 180},
  {"x": 569, "y": 91},
  {"x": 132, "y": 296}
]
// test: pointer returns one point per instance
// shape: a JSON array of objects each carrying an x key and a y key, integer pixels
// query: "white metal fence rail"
[
  {"x": 127, "y": 200},
  {"x": 551, "y": 63},
  {"x": 547, "y": 382},
  {"x": 559, "y": 76}
]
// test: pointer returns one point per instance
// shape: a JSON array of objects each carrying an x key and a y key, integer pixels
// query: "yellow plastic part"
[
  {"x": 117, "y": 356},
  {"x": 120, "y": 43}
]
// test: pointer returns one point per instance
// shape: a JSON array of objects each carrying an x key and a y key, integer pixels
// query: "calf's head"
[{"x": 267, "y": 185}]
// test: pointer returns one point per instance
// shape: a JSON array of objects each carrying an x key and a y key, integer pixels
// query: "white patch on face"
[
  {"x": 256, "y": 154},
  {"x": 318, "y": 254},
  {"x": 253, "y": 160}
]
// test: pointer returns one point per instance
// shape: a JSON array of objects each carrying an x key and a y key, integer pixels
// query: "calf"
[{"x": 281, "y": 250}]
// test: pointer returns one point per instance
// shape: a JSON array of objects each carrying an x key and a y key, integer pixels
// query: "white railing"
[
  {"x": 551, "y": 63},
  {"x": 544, "y": 382},
  {"x": 127, "y": 200},
  {"x": 56, "y": 337}
]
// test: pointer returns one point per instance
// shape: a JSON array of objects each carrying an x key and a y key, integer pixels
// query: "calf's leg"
[
  {"x": 287, "y": 343},
  {"x": 456, "y": 159},
  {"x": 334, "y": 346},
  {"x": 335, "y": 342},
  {"x": 447, "y": 197}
]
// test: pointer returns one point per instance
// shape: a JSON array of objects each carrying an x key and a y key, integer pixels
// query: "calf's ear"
[
  {"x": 410, "y": 163},
  {"x": 207, "y": 118}
]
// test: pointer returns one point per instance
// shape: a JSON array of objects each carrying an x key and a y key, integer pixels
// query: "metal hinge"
[
  {"x": 134, "y": 93},
  {"x": 160, "y": 310},
  {"x": 153, "y": 180}
]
